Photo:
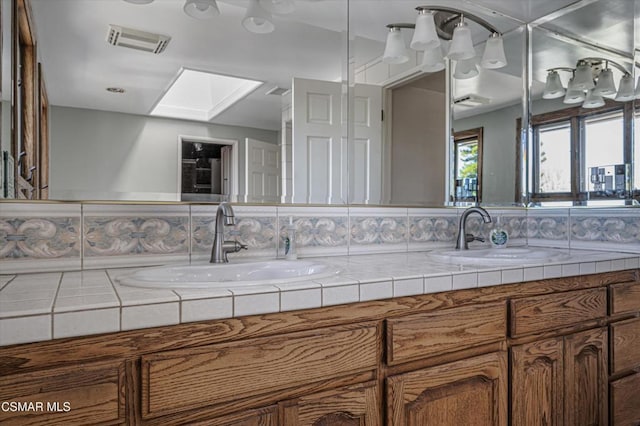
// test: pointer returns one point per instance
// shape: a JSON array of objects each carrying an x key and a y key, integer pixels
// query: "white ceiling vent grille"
[
  {"x": 136, "y": 39},
  {"x": 471, "y": 101}
]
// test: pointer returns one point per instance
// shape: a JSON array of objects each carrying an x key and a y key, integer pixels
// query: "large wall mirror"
[{"x": 314, "y": 106}]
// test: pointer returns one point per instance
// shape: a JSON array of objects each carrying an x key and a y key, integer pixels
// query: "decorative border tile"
[
  {"x": 134, "y": 235},
  {"x": 606, "y": 229},
  {"x": 548, "y": 227},
  {"x": 319, "y": 230},
  {"x": 255, "y": 226},
  {"x": 378, "y": 230},
  {"x": 40, "y": 237},
  {"x": 432, "y": 228}
]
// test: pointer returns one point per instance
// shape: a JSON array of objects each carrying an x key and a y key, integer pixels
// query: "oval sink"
[
  {"x": 223, "y": 275},
  {"x": 499, "y": 256}
]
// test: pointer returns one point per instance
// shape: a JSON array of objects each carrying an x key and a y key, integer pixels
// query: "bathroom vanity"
[{"x": 562, "y": 351}]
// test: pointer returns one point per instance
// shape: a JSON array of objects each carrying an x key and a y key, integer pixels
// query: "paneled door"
[{"x": 262, "y": 170}]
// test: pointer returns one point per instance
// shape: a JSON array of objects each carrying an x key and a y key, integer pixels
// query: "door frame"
[{"x": 233, "y": 196}]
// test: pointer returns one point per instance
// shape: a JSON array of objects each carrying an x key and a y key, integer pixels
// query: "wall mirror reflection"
[
  {"x": 582, "y": 105},
  {"x": 323, "y": 102}
]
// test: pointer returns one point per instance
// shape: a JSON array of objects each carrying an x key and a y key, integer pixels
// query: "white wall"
[
  {"x": 498, "y": 152},
  {"x": 98, "y": 155}
]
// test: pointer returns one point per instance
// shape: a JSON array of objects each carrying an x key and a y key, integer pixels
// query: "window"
[
  {"x": 467, "y": 163},
  {"x": 582, "y": 154}
]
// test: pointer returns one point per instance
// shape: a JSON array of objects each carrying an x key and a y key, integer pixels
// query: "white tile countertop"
[{"x": 45, "y": 306}]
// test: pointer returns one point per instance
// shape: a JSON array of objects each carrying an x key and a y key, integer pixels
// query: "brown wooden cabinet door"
[
  {"x": 537, "y": 383},
  {"x": 355, "y": 405},
  {"x": 261, "y": 417},
  {"x": 585, "y": 378},
  {"x": 471, "y": 392}
]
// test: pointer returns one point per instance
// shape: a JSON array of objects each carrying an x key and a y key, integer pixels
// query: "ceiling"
[{"x": 311, "y": 43}]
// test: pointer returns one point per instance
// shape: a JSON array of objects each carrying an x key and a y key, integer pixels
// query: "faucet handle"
[{"x": 470, "y": 238}]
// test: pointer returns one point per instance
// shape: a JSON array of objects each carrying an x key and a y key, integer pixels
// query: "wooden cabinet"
[
  {"x": 356, "y": 405},
  {"x": 471, "y": 392},
  {"x": 83, "y": 394},
  {"x": 561, "y": 380},
  {"x": 435, "y": 359}
]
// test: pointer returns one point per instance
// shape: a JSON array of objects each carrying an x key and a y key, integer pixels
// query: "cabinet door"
[
  {"x": 350, "y": 406},
  {"x": 585, "y": 378},
  {"x": 537, "y": 383},
  {"x": 261, "y": 417},
  {"x": 471, "y": 392}
]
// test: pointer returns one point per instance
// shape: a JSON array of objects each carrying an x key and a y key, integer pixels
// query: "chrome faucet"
[
  {"x": 224, "y": 216},
  {"x": 463, "y": 238}
]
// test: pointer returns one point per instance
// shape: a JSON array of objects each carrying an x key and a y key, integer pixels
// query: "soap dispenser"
[
  {"x": 290, "y": 252},
  {"x": 498, "y": 235}
]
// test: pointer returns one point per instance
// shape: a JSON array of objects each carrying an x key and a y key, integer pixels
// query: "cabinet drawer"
[
  {"x": 551, "y": 311},
  {"x": 421, "y": 335},
  {"x": 78, "y": 395},
  {"x": 184, "y": 379},
  {"x": 625, "y": 345},
  {"x": 625, "y": 401},
  {"x": 624, "y": 297}
]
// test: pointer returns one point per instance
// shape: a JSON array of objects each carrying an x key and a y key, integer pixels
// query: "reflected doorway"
[{"x": 207, "y": 170}]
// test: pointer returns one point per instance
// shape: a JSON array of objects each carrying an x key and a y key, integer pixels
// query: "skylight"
[{"x": 199, "y": 95}]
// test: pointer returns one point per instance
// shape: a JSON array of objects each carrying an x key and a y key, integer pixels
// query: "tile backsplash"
[{"x": 37, "y": 237}]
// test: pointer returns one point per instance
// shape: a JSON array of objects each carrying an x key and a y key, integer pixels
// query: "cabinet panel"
[
  {"x": 585, "y": 378},
  {"x": 625, "y": 401},
  {"x": 551, "y": 311},
  {"x": 537, "y": 383},
  {"x": 192, "y": 378},
  {"x": 350, "y": 406},
  {"x": 625, "y": 345},
  {"x": 418, "y": 336},
  {"x": 624, "y": 297},
  {"x": 78, "y": 395},
  {"x": 469, "y": 392},
  {"x": 261, "y": 417}
]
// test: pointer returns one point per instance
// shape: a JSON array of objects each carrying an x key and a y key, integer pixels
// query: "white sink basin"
[
  {"x": 224, "y": 275},
  {"x": 499, "y": 256}
]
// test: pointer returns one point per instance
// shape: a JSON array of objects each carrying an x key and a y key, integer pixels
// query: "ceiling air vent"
[
  {"x": 136, "y": 39},
  {"x": 278, "y": 91},
  {"x": 471, "y": 101}
]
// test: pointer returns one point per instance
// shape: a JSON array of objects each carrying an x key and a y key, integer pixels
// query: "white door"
[
  {"x": 318, "y": 143},
  {"x": 225, "y": 155},
  {"x": 365, "y": 153},
  {"x": 262, "y": 171}
]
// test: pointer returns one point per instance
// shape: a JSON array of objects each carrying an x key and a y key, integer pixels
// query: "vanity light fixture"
[
  {"x": 591, "y": 80},
  {"x": 435, "y": 24},
  {"x": 139, "y": 1},
  {"x": 279, "y": 7},
  {"x": 201, "y": 9},
  {"x": 258, "y": 19}
]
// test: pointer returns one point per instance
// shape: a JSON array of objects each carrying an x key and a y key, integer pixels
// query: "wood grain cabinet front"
[
  {"x": 625, "y": 401},
  {"x": 255, "y": 372},
  {"x": 80, "y": 395},
  {"x": 561, "y": 381},
  {"x": 624, "y": 297},
  {"x": 471, "y": 392},
  {"x": 625, "y": 345},
  {"x": 356, "y": 405}
]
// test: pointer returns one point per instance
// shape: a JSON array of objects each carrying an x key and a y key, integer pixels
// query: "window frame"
[
  {"x": 462, "y": 137},
  {"x": 576, "y": 117}
]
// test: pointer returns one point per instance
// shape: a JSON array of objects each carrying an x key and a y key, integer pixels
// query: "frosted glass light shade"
[
  {"x": 201, "y": 9},
  {"x": 395, "y": 51},
  {"x": 493, "y": 57},
  {"x": 465, "y": 68},
  {"x": 279, "y": 7},
  {"x": 573, "y": 96},
  {"x": 583, "y": 78},
  {"x": 593, "y": 100},
  {"x": 553, "y": 87},
  {"x": 432, "y": 60},
  {"x": 257, "y": 19},
  {"x": 461, "y": 44},
  {"x": 626, "y": 91},
  {"x": 605, "y": 85},
  {"x": 425, "y": 35},
  {"x": 139, "y": 1}
]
